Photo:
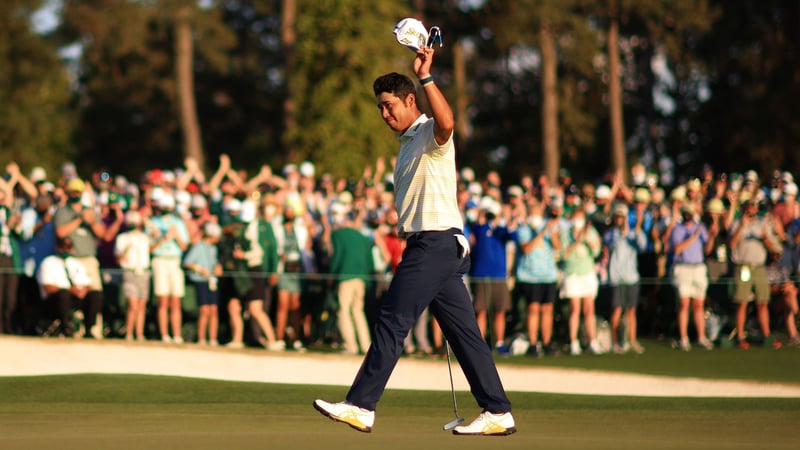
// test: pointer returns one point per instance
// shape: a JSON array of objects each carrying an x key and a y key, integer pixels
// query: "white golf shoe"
[
  {"x": 358, "y": 418},
  {"x": 488, "y": 424}
]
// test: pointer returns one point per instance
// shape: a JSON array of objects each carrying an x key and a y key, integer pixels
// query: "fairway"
[{"x": 138, "y": 412}]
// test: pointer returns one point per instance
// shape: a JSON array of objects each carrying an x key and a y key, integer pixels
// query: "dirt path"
[{"x": 35, "y": 356}]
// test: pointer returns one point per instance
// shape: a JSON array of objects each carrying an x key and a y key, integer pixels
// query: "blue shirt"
[
  {"x": 489, "y": 251},
  {"x": 693, "y": 254},
  {"x": 204, "y": 255},
  {"x": 162, "y": 224},
  {"x": 538, "y": 265},
  {"x": 623, "y": 266}
]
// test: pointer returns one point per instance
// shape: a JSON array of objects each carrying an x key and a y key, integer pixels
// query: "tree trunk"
[
  {"x": 615, "y": 96},
  {"x": 184, "y": 56},
  {"x": 288, "y": 41},
  {"x": 462, "y": 100},
  {"x": 550, "y": 152}
]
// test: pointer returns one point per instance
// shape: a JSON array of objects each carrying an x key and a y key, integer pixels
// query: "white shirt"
[
  {"x": 132, "y": 248},
  {"x": 425, "y": 181},
  {"x": 54, "y": 270}
]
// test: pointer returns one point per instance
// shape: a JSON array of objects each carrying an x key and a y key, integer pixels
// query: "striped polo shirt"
[{"x": 425, "y": 181}]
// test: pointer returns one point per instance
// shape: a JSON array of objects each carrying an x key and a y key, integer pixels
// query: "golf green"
[{"x": 152, "y": 412}]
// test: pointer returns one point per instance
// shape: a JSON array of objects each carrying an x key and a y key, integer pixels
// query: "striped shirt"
[{"x": 425, "y": 181}]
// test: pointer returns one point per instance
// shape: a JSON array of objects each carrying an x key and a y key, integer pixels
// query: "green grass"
[
  {"x": 758, "y": 363},
  {"x": 146, "y": 412}
]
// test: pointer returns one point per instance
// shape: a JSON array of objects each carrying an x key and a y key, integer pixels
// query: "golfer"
[{"x": 433, "y": 264}]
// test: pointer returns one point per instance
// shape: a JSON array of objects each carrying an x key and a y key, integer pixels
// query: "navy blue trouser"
[{"x": 430, "y": 273}]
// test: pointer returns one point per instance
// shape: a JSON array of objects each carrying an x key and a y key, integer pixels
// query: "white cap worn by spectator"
[
  {"x": 620, "y": 209},
  {"x": 248, "y": 212},
  {"x": 641, "y": 195},
  {"x": 307, "y": 169},
  {"x": 289, "y": 169},
  {"x": 678, "y": 194},
  {"x": 198, "y": 202},
  {"x": 232, "y": 206},
  {"x": 166, "y": 202},
  {"x": 133, "y": 218},
  {"x": 475, "y": 188},
  {"x": 602, "y": 192},
  {"x": 790, "y": 189},
  {"x": 183, "y": 198},
  {"x": 38, "y": 174},
  {"x": 467, "y": 174},
  {"x": 787, "y": 177},
  {"x": 751, "y": 176},
  {"x": 212, "y": 229},
  {"x": 715, "y": 206},
  {"x": 515, "y": 191},
  {"x": 156, "y": 193},
  {"x": 168, "y": 176}
]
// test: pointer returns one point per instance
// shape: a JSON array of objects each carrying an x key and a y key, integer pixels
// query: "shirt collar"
[{"x": 412, "y": 130}]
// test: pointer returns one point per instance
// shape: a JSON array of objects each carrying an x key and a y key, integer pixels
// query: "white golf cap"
[{"x": 307, "y": 169}]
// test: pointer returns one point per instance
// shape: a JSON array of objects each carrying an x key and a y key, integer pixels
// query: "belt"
[{"x": 416, "y": 234}]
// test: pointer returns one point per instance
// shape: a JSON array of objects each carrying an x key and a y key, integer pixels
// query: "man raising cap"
[{"x": 433, "y": 264}]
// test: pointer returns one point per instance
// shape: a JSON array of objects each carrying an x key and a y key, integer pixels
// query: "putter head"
[{"x": 453, "y": 423}]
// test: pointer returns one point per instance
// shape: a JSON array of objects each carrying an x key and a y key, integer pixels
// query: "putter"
[{"x": 453, "y": 423}]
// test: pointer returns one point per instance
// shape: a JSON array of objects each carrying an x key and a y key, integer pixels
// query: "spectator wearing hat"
[
  {"x": 203, "y": 270},
  {"x": 717, "y": 254},
  {"x": 788, "y": 208},
  {"x": 244, "y": 286},
  {"x": 37, "y": 241},
  {"x": 352, "y": 264},
  {"x": 132, "y": 249},
  {"x": 537, "y": 275},
  {"x": 581, "y": 245},
  {"x": 601, "y": 214},
  {"x": 198, "y": 216},
  {"x": 65, "y": 286},
  {"x": 789, "y": 264},
  {"x": 688, "y": 241},
  {"x": 752, "y": 238},
  {"x": 621, "y": 245},
  {"x": 10, "y": 260},
  {"x": 294, "y": 247},
  {"x": 170, "y": 239},
  {"x": 488, "y": 273},
  {"x": 79, "y": 223}
]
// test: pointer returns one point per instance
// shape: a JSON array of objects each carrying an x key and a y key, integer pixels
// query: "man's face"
[{"x": 399, "y": 114}]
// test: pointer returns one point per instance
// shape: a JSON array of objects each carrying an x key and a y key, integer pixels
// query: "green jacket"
[{"x": 352, "y": 254}]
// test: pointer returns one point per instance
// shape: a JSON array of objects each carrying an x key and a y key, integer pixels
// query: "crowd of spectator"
[{"x": 293, "y": 259}]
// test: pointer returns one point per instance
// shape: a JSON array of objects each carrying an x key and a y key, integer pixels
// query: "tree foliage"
[
  {"x": 702, "y": 80},
  {"x": 36, "y": 120}
]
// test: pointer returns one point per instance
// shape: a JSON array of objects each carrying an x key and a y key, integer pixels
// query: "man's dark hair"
[{"x": 394, "y": 83}]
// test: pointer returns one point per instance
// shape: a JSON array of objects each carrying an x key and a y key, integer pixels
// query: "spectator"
[
  {"x": 132, "y": 249},
  {"x": 78, "y": 221},
  {"x": 789, "y": 266},
  {"x": 38, "y": 241},
  {"x": 203, "y": 271},
  {"x": 170, "y": 239},
  {"x": 10, "y": 260},
  {"x": 752, "y": 237},
  {"x": 537, "y": 276},
  {"x": 581, "y": 245},
  {"x": 621, "y": 246},
  {"x": 488, "y": 274},
  {"x": 294, "y": 244},
  {"x": 688, "y": 241},
  {"x": 65, "y": 285},
  {"x": 244, "y": 286},
  {"x": 352, "y": 264}
]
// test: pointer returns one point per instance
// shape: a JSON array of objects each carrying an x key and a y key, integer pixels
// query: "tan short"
[
  {"x": 757, "y": 283},
  {"x": 690, "y": 280},
  {"x": 168, "y": 277},
  {"x": 92, "y": 267},
  {"x": 136, "y": 285}
]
